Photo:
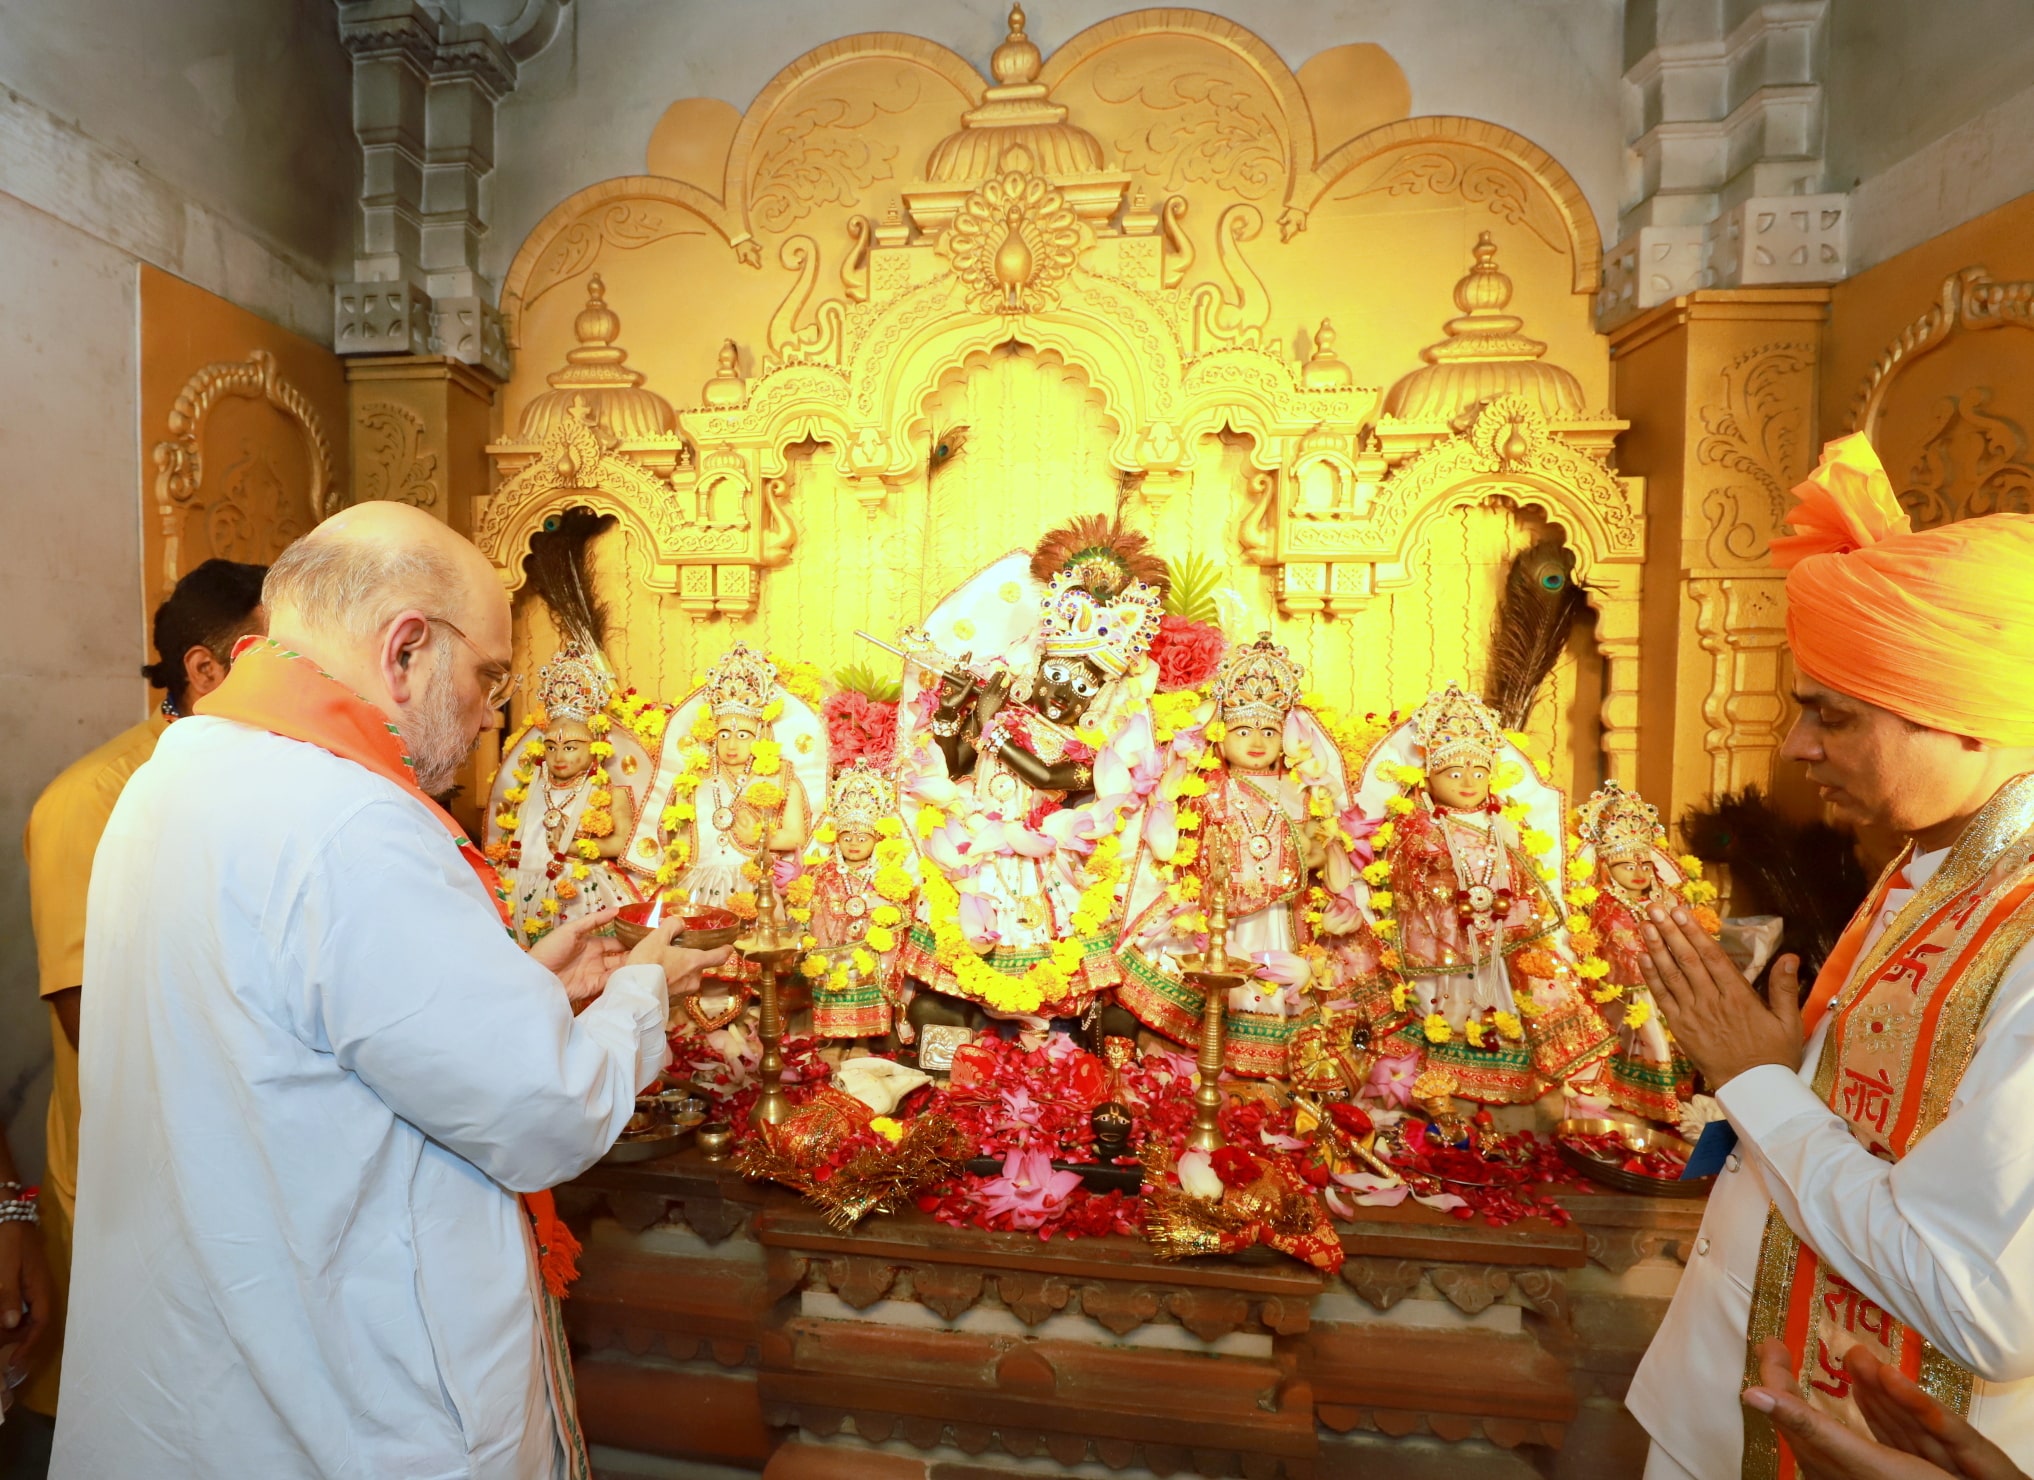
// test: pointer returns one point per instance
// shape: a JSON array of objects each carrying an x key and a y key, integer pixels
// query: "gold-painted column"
[
  {"x": 419, "y": 426},
  {"x": 1720, "y": 388},
  {"x": 420, "y": 429}
]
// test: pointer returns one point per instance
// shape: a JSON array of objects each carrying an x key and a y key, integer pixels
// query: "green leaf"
[
  {"x": 870, "y": 684},
  {"x": 1195, "y": 580}
]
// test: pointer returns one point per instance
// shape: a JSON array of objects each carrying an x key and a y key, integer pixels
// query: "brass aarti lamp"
[
  {"x": 1215, "y": 972},
  {"x": 771, "y": 947}
]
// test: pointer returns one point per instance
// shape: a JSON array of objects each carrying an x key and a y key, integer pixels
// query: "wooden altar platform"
[{"x": 720, "y": 1325}]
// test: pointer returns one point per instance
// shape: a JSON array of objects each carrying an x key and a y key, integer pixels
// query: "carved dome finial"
[
  {"x": 1017, "y": 111},
  {"x": 1017, "y": 60},
  {"x": 1483, "y": 355},
  {"x": 597, "y": 375}
]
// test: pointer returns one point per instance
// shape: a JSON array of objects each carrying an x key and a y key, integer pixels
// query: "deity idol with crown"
[
  {"x": 1252, "y": 794},
  {"x": 566, "y": 801},
  {"x": 1625, "y": 847},
  {"x": 1463, "y": 891},
  {"x": 853, "y": 901},
  {"x": 1023, "y": 775},
  {"x": 743, "y": 756}
]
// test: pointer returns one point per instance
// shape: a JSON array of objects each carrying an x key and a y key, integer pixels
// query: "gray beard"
[{"x": 436, "y": 736}]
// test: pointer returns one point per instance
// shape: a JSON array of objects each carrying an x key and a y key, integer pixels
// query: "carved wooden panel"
[{"x": 244, "y": 427}]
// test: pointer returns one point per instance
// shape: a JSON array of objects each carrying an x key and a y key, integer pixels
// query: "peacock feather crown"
[
  {"x": 1105, "y": 593},
  {"x": 1619, "y": 825},
  {"x": 861, "y": 796},
  {"x": 574, "y": 685},
  {"x": 739, "y": 685},
  {"x": 1257, "y": 684},
  {"x": 1452, "y": 727}
]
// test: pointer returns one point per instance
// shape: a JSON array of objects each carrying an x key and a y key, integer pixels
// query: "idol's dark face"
[{"x": 1066, "y": 687}]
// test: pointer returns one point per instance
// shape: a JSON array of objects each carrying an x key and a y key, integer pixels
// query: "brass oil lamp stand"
[
  {"x": 1215, "y": 972},
  {"x": 771, "y": 947}
]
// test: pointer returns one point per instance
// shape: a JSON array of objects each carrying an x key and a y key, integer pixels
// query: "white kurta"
[
  {"x": 314, "y": 1071},
  {"x": 1943, "y": 1238}
]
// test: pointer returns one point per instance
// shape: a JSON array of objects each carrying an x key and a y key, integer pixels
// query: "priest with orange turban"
[{"x": 1876, "y": 1211}]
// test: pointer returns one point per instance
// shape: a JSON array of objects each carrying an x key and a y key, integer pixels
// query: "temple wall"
[
  {"x": 210, "y": 139},
  {"x": 583, "y": 107}
]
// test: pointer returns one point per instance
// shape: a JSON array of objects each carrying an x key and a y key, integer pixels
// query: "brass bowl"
[
  {"x": 716, "y": 1139},
  {"x": 706, "y": 928},
  {"x": 1635, "y": 1139}
]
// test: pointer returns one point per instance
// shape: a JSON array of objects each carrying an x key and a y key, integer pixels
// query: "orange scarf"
[{"x": 270, "y": 688}]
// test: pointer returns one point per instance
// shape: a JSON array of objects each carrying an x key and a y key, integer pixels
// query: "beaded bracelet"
[{"x": 19, "y": 1210}]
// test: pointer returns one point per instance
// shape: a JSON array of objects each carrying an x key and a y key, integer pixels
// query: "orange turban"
[{"x": 1937, "y": 626}]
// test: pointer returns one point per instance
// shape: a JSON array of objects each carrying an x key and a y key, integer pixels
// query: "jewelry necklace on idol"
[
  {"x": 1257, "y": 840},
  {"x": 1480, "y": 892},
  {"x": 723, "y": 811},
  {"x": 554, "y": 810},
  {"x": 857, "y": 885}
]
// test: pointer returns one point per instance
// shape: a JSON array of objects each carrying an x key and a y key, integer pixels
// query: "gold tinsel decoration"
[{"x": 875, "y": 1179}]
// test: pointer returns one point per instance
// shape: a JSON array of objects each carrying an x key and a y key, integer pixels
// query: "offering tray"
[
  {"x": 1634, "y": 1141},
  {"x": 662, "y": 1123},
  {"x": 706, "y": 927}
]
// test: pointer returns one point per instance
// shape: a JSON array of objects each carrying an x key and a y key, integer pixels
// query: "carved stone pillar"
[{"x": 1720, "y": 388}]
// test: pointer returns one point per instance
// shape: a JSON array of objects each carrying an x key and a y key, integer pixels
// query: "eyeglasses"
[{"x": 501, "y": 682}]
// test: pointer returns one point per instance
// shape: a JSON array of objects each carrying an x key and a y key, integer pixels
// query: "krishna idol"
[{"x": 1023, "y": 775}]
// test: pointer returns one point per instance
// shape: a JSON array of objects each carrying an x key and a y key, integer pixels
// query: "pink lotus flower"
[
  {"x": 1197, "y": 1176},
  {"x": 978, "y": 921},
  {"x": 784, "y": 868},
  {"x": 1369, "y": 1189},
  {"x": 1284, "y": 967},
  {"x": 1360, "y": 827},
  {"x": 1029, "y": 1191},
  {"x": 1391, "y": 1080}
]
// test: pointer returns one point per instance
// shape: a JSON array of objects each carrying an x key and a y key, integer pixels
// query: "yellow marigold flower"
[
  {"x": 1638, "y": 1014},
  {"x": 800, "y": 916},
  {"x": 1508, "y": 1026},
  {"x": 497, "y": 852},
  {"x": 1189, "y": 822},
  {"x": 892, "y": 850},
  {"x": 1193, "y": 786},
  {"x": 601, "y": 749},
  {"x": 1436, "y": 1028},
  {"x": 1472, "y": 1033},
  {"x": 887, "y": 1128},
  {"x": 889, "y": 827},
  {"x": 1608, "y": 992},
  {"x": 1376, "y": 872},
  {"x": 1318, "y": 804},
  {"x": 894, "y": 884},
  {"x": 515, "y": 796},
  {"x": 1189, "y": 849},
  {"x": 1400, "y": 995},
  {"x": 880, "y": 939},
  {"x": 1398, "y": 806},
  {"x": 596, "y": 822},
  {"x": 799, "y": 890},
  {"x": 930, "y": 819},
  {"x": 1066, "y": 956},
  {"x": 813, "y": 967},
  {"x": 864, "y": 963},
  {"x": 677, "y": 815},
  {"x": 667, "y": 875},
  {"x": 1534, "y": 841},
  {"x": 1690, "y": 865},
  {"x": 742, "y": 904},
  {"x": 565, "y": 889},
  {"x": 587, "y": 848},
  {"x": 549, "y": 906},
  {"x": 1594, "y": 968},
  {"x": 1507, "y": 775},
  {"x": 1381, "y": 900},
  {"x": 1385, "y": 929},
  {"x": 1209, "y": 760},
  {"x": 1581, "y": 870},
  {"x": 533, "y": 928},
  {"x": 1406, "y": 775},
  {"x": 1215, "y": 732},
  {"x": 582, "y": 871},
  {"x": 601, "y": 798},
  {"x": 507, "y": 821},
  {"x": 752, "y": 871},
  {"x": 764, "y": 795},
  {"x": 887, "y": 915},
  {"x": 1584, "y": 895},
  {"x": 773, "y": 711},
  {"x": 534, "y": 750},
  {"x": 1577, "y": 923},
  {"x": 1699, "y": 891},
  {"x": 1384, "y": 834}
]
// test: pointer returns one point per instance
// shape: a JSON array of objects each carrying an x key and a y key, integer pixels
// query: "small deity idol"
[
  {"x": 1252, "y": 807},
  {"x": 737, "y": 794},
  {"x": 1021, "y": 917},
  {"x": 1493, "y": 997},
  {"x": 561, "y": 818},
  {"x": 1649, "y": 1076},
  {"x": 855, "y": 902}
]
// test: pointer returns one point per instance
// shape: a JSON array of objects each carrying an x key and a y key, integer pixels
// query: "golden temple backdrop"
[
  {"x": 1347, "y": 354},
  {"x": 1154, "y": 272}
]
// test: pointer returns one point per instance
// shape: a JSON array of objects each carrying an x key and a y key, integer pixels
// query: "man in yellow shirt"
[{"x": 210, "y": 610}]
